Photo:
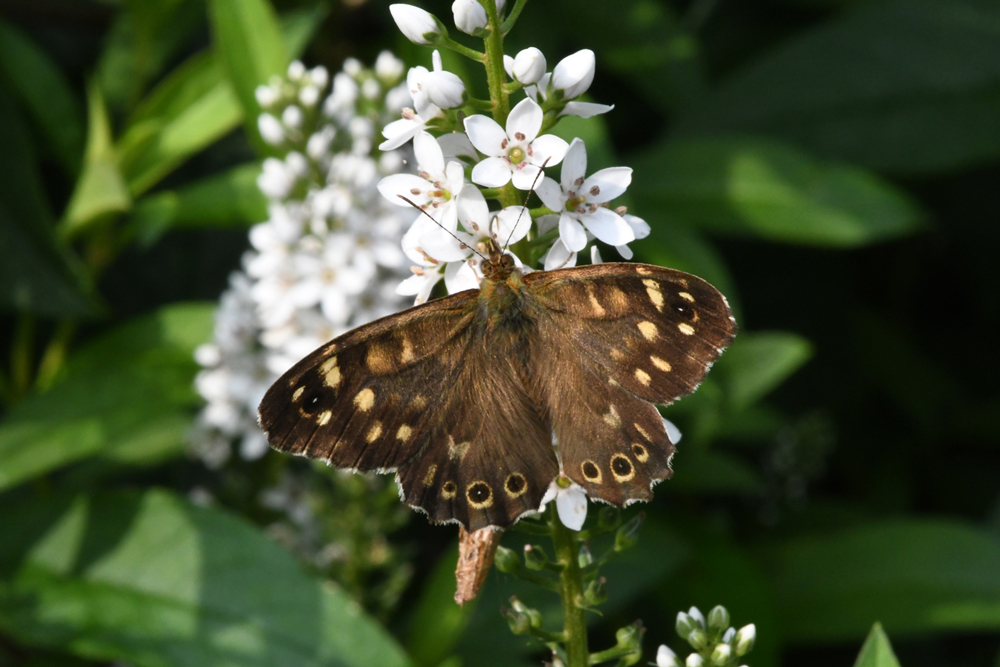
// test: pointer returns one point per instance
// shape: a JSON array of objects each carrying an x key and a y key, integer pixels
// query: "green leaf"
[
  {"x": 911, "y": 86},
  {"x": 229, "y": 199},
  {"x": 150, "y": 580},
  {"x": 915, "y": 576},
  {"x": 877, "y": 651},
  {"x": 101, "y": 191},
  {"x": 758, "y": 362},
  {"x": 705, "y": 471},
  {"x": 251, "y": 48},
  {"x": 437, "y": 623},
  {"x": 127, "y": 393},
  {"x": 771, "y": 190},
  {"x": 44, "y": 90}
]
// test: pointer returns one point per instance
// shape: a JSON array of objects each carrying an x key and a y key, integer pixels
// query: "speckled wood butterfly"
[{"x": 461, "y": 396}]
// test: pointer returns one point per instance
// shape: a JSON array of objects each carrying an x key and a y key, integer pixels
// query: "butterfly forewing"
[{"x": 623, "y": 336}]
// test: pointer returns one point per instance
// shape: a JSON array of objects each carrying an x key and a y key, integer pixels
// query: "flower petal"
[
  {"x": 574, "y": 165},
  {"x": 493, "y": 172},
  {"x": 548, "y": 147},
  {"x": 412, "y": 187},
  {"x": 595, "y": 255},
  {"x": 611, "y": 183},
  {"x": 571, "y": 233},
  {"x": 459, "y": 276},
  {"x": 639, "y": 226},
  {"x": 524, "y": 177},
  {"x": 558, "y": 257},
  {"x": 442, "y": 246},
  {"x": 673, "y": 432},
  {"x": 454, "y": 178},
  {"x": 607, "y": 226},
  {"x": 485, "y": 134},
  {"x": 571, "y": 504},
  {"x": 428, "y": 154},
  {"x": 585, "y": 109},
  {"x": 525, "y": 118},
  {"x": 457, "y": 145},
  {"x": 513, "y": 224},
  {"x": 473, "y": 211},
  {"x": 551, "y": 194},
  {"x": 624, "y": 251},
  {"x": 398, "y": 132}
]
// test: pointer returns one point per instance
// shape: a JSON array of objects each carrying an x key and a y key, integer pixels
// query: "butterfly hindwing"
[{"x": 618, "y": 338}]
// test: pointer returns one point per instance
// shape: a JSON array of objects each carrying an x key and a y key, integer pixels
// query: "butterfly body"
[{"x": 479, "y": 400}]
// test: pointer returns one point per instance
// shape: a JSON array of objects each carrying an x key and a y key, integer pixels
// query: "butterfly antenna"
[
  {"x": 450, "y": 233},
  {"x": 525, "y": 207}
]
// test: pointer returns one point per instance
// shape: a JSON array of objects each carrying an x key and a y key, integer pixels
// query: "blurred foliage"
[{"x": 831, "y": 165}]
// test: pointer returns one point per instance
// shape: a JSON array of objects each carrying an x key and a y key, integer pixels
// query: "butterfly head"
[{"x": 498, "y": 266}]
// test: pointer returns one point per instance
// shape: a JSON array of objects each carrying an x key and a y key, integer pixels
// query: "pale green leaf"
[{"x": 877, "y": 651}]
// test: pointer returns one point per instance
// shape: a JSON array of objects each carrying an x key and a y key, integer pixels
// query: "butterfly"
[{"x": 479, "y": 400}]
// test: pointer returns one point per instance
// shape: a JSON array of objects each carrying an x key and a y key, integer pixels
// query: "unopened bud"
[
  {"x": 718, "y": 618},
  {"x": 628, "y": 535},
  {"x": 596, "y": 592},
  {"x": 574, "y": 74},
  {"x": 722, "y": 654},
  {"x": 518, "y": 622},
  {"x": 685, "y": 625},
  {"x": 694, "y": 660},
  {"x": 745, "y": 639},
  {"x": 584, "y": 557},
  {"x": 529, "y": 66},
  {"x": 696, "y": 616},
  {"x": 666, "y": 658},
  {"x": 507, "y": 561},
  {"x": 419, "y": 26},
  {"x": 470, "y": 17},
  {"x": 630, "y": 637},
  {"x": 698, "y": 639},
  {"x": 534, "y": 557}
]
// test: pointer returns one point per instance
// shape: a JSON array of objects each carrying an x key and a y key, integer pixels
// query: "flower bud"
[
  {"x": 696, "y": 616},
  {"x": 628, "y": 535},
  {"x": 630, "y": 637},
  {"x": 419, "y": 26},
  {"x": 574, "y": 74},
  {"x": 529, "y": 66},
  {"x": 694, "y": 660},
  {"x": 534, "y": 557},
  {"x": 533, "y": 615},
  {"x": 470, "y": 17},
  {"x": 270, "y": 129},
  {"x": 583, "y": 556},
  {"x": 666, "y": 658},
  {"x": 507, "y": 561},
  {"x": 266, "y": 96},
  {"x": 685, "y": 625},
  {"x": 444, "y": 89},
  {"x": 728, "y": 636},
  {"x": 596, "y": 592},
  {"x": 718, "y": 618},
  {"x": 518, "y": 622},
  {"x": 609, "y": 518},
  {"x": 745, "y": 639},
  {"x": 698, "y": 639},
  {"x": 722, "y": 654}
]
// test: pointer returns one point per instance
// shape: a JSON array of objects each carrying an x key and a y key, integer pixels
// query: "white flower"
[
  {"x": 640, "y": 228},
  {"x": 421, "y": 83},
  {"x": 722, "y": 654},
  {"x": 695, "y": 614},
  {"x": 266, "y": 95},
  {"x": 528, "y": 67},
  {"x": 436, "y": 186},
  {"x": 427, "y": 271},
  {"x": 745, "y": 638},
  {"x": 270, "y": 127},
  {"x": 574, "y": 108},
  {"x": 444, "y": 89},
  {"x": 694, "y": 660},
  {"x": 574, "y": 74},
  {"x": 388, "y": 67},
  {"x": 470, "y": 17},
  {"x": 296, "y": 70},
  {"x": 292, "y": 117},
  {"x": 415, "y": 23},
  {"x": 571, "y": 503},
  {"x": 275, "y": 180},
  {"x": 517, "y": 154},
  {"x": 578, "y": 201},
  {"x": 674, "y": 434},
  {"x": 665, "y": 657}
]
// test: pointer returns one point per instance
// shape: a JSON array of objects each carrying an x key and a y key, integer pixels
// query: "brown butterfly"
[{"x": 464, "y": 396}]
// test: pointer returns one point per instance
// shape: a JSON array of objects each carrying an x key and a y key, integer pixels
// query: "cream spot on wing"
[
  {"x": 617, "y": 299},
  {"x": 642, "y": 376},
  {"x": 429, "y": 476},
  {"x": 457, "y": 451},
  {"x": 655, "y": 295},
  {"x": 298, "y": 393},
  {"x": 324, "y": 417},
  {"x": 595, "y": 305},
  {"x": 642, "y": 432},
  {"x": 660, "y": 363},
  {"x": 648, "y": 330},
  {"x": 686, "y": 328},
  {"x": 643, "y": 271},
  {"x": 617, "y": 354},
  {"x": 331, "y": 372},
  {"x": 418, "y": 402},
  {"x": 365, "y": 399},
  {"x": 378, "y": 361},
  {"x": 686, "y": 296},
  {"x": 406, "y": 356},
  {"x": 613, "y": 382},
  {"x": 611, "y": 417},
  {"x": 404, "y": 433},
  {"x": 374, "y": 433}
]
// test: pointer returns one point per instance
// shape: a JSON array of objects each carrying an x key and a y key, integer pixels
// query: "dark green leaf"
[
  {"x": 437, "y": 623},
  {"x": 150, "y": 580},
  {"x": 231, "y": 198},
  {"x": 911, "y": 86},
  {"x": 700, "y": 470},
  {"x": 758, "y": 362},
  {"x": 912, "y": 575},
  {"x": 45, "y": 91},
  {"x": 126, "y": 394},
  {"x": 249, "y": 43},
  {"x": 877, "y": 651},
  {"x": 768, "y": 189}
]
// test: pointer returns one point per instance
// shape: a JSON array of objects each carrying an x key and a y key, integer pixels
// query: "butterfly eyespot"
[
  {"x": 622, "y": 468},
  {"x": 683, "y": 309},
  {"x": 310, "y": 404},
  {"x": 641, "y": 453},
  {"x": 515, "y": 485},
  {"x": 591, "y": 472},
  {"x": 448, "y": 490},
  {"x": 480, "y": 495}
]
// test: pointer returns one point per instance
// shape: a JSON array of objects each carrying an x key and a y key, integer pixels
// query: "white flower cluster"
[
  {"x": 328, "y": 257},
  {"x": 714, "y": 641}
]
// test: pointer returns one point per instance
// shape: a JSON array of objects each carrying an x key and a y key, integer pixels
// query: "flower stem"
[
  {"x": 496, "y": 77},
  {"x": 571, "y": 591}
]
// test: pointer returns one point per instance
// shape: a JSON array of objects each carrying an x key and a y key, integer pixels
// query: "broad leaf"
[
  {"x": 758, "y": 362},
  {"x": 150, "y": 580},
  {"x": 771, "y": 190},
  {"x": 126, "y": 394},
  {"x": 911, "y": 86},
  {"x": 915, "y": 576},
  {"x": 877, "y": 651}
]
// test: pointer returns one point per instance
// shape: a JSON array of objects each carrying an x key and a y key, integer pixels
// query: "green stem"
[
  {"x": 449, "y": 43},
  {"x": 571, "y": 584},
  {"x": 55, "y": 354}
]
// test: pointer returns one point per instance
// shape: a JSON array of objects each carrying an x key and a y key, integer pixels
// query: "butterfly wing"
[
  {"x": 413, "y": 392},
  {"x": 622, "y": 336}
]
